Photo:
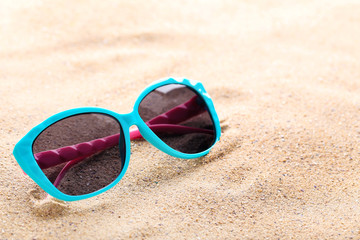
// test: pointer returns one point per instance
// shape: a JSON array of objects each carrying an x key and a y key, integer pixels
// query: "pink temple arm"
[
  {"x": 165, "y": 122},
  {"x": 66, "y": 168},
  {"x": 179, "y": 113},
  {"x": 54, "y": 157},
  {"x": 175, "y": 115}
]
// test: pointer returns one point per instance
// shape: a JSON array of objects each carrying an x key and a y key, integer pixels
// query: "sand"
[{"x": 285, "y": 80}]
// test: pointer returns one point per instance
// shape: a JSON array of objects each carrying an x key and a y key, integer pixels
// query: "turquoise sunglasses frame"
[{"x": 23, "y": 152}]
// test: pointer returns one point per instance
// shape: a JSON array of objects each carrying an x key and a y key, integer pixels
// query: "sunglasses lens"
[
  {"x": 179, "y": 117},
  {"x": 82, "y": 153}
]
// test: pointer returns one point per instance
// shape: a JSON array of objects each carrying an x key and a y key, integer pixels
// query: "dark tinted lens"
[
  {"x": 82, "y": 153},
  {"x": 179, "y": 117}
]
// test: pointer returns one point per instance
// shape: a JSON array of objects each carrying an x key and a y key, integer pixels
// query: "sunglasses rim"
[
  {"x": 23, "y": 151},
  {"x": 196, "y": 87},
  {"x": 197, "y": 92}
]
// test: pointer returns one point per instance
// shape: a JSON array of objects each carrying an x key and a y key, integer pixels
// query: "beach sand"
[{"x": 285, "y": 80}]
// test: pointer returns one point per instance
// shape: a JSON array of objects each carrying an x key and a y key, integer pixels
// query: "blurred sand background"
[{"x": 285, "y": 79}]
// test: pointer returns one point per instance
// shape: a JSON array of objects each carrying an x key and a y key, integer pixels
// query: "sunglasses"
[{"x": 82, "y": 152}]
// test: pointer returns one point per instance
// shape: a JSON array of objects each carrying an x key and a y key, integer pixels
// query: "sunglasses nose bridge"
[{"x": 130, "y": 118}]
